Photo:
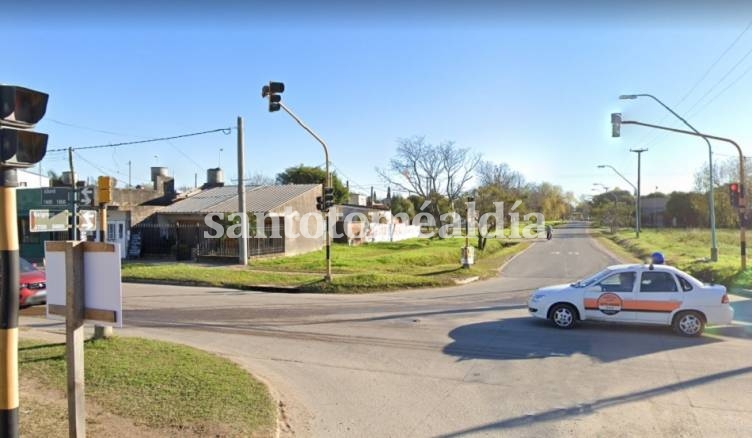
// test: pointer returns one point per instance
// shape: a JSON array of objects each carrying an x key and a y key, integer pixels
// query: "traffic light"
[
  {"x": 734, "y": 191},
  {"x": 328, "y": 197},
  {"x": 272, "y": 91},
  {"x": 104, "y": 189},
  {"x": 20, "y": 109},
  {"x": 615, "y": 124},
  {"x": 319, "y": 203}
]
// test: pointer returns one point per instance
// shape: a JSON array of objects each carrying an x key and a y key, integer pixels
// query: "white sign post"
[{"x": 83, "y": 284}]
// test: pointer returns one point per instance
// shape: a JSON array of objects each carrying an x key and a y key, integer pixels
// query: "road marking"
[
  {"x": 573, "y": 253},
  {"x": 555, "y": 252}
]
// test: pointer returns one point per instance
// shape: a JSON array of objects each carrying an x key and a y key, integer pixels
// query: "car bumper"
[
  {"x": 38, "y": 297},
  {"x": 537, "y": 310},
  {"x": 721, "y": 315}
]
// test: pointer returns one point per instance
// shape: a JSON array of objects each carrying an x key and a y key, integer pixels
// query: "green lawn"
[
  {"x": 159, "y": 384},
  {"x": 689, "y": 250},
  {"x": 381, "y": 266}
]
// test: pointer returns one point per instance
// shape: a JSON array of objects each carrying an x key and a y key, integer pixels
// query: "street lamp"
[
  {"x": 711, "y": 198},
  {"x": 616, "y": 121},
  {"x": 637, "y": 194}
]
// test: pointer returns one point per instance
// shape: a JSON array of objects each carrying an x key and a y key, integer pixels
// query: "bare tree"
[
  {"x": 501, "y": 176},
  {"x": 428, "y": 170},
  {"x": 259, "y": 179},
  {"x": 457, "y": 166}
]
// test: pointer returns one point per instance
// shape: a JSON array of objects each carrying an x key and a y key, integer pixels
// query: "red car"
[{"x": 33, "y": 289}]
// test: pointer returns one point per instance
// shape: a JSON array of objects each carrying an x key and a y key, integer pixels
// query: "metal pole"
[
  {"x": 639, "y": 177},
  {"x": 9, "y": 280},
  {"x": 328, "y": 277},
  {"x": 637, "y": 205},
  {"x": 711, "y": 197},
  {"x": 74, "y": 198},
  {"x": 743, "y": 197},
  {"x": 243, "y": 253},
  {"x": 711, "y": 205}
]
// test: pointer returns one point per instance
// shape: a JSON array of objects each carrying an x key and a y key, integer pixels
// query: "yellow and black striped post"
[{"x": 9, "y": 281}]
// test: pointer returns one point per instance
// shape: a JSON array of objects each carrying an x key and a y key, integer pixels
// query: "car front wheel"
[
  {"x": 689, "y": 323},
  {"x": 563, "y": 316}
]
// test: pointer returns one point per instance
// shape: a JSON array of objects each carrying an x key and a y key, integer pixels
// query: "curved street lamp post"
[{"x": 711, "y": 198}]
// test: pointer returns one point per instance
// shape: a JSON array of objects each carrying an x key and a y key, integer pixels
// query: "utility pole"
[
  {"x": 74, "y": 197},
  {"x": 639, "y": 201},
  {"x": 129, "y": 174},
  {"x": 243, "y": 250}
]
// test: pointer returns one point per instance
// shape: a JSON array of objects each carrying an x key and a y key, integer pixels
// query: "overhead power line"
[{"x": 226, "y": 131}]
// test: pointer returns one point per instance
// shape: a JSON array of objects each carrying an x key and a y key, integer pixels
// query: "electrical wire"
[{"x": 226, "y": 131}]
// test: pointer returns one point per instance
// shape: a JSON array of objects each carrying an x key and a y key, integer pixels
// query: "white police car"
[{"x": 649, "y": 294}]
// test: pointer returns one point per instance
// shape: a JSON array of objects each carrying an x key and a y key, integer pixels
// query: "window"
[
  {"x": 658, "y": 282},
  {"x": 621, "y": 282},
  {"x": 685, "y": 284}
]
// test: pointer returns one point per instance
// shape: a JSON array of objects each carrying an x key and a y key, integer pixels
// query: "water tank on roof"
[
  {"x": 67, "y": 179},
  {"x": 215, "y": 177},
  {"x": 157, "y": 171}
]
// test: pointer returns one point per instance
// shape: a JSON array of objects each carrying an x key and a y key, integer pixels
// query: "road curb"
[
  {"x": 466, "y": 280},
  {"x": 746, "y": 293},
  {"x": 249, "y": 288}
]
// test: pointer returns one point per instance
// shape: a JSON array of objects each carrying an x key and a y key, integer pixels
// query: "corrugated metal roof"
[{"x": 225, "y": 199}]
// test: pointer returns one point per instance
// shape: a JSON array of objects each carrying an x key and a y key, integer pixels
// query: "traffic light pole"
[
  {"x": 742, "y": 188},
  {"x": 328, "y": 277},
  {"x": 9, "y": 280}
]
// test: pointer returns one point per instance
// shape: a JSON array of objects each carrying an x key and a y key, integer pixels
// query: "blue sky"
[{"x": 534, "y": 93}]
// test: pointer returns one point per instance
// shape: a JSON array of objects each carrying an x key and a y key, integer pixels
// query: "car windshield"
[
  {"x": 585, "y": 282},
  {"x": 27, "y": 267}
]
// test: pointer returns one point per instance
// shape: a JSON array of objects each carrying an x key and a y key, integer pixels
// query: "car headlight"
[{"x": 537, "y": 297}]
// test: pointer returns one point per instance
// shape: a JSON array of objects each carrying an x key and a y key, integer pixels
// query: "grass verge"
[
  {"x": 689, "y": 250},
  {"x": 373, "y": 267},
  {"x": 160, "y": 385}
]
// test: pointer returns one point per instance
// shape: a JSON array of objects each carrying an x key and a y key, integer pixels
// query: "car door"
[
  {"x": 658, "y": 296},
  {"x": 606, "y": 300}
]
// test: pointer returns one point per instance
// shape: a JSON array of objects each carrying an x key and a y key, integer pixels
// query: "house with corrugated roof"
[{"x": 280, "y": 206}]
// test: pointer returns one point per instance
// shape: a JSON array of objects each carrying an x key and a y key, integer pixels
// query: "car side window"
[
  {"x": 621, "y": 282},
  {"x": 657, "y": 282},
  {"x": 685, "y": 284}
]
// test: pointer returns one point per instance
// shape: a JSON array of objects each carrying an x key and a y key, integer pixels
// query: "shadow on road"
[
  {"x": 529, "y": 338},
  {"x": 589, "y": 408}
]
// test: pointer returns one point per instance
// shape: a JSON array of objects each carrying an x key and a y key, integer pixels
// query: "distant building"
[
  {"x": 27, "y": 178},
  {"x": 187, "y": 217},
  {"x": 652, "y": 211}
]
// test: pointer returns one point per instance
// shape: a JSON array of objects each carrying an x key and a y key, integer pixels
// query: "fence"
[{"x": 188, "y": 241}]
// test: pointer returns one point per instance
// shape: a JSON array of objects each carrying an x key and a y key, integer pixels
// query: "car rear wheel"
[
  {"x": 563, "y": 316},
  {"x": 689, "y": 323}
]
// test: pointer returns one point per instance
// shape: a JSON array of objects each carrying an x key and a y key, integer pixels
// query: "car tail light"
[{"x": 725, "y": 299}]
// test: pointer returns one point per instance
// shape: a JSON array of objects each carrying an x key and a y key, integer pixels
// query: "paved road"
[{"x": 465, "y": 361}]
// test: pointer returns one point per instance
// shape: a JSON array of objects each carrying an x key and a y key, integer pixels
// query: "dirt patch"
[{"x": 44, "y": 413}]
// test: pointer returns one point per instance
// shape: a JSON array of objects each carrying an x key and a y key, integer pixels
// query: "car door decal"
[{"x": 609, "y": 302}]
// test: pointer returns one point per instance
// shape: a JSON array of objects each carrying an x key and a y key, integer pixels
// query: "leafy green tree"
[
  {"x": 402, "y": 205},
  {"x": 313, "y": 175}
]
